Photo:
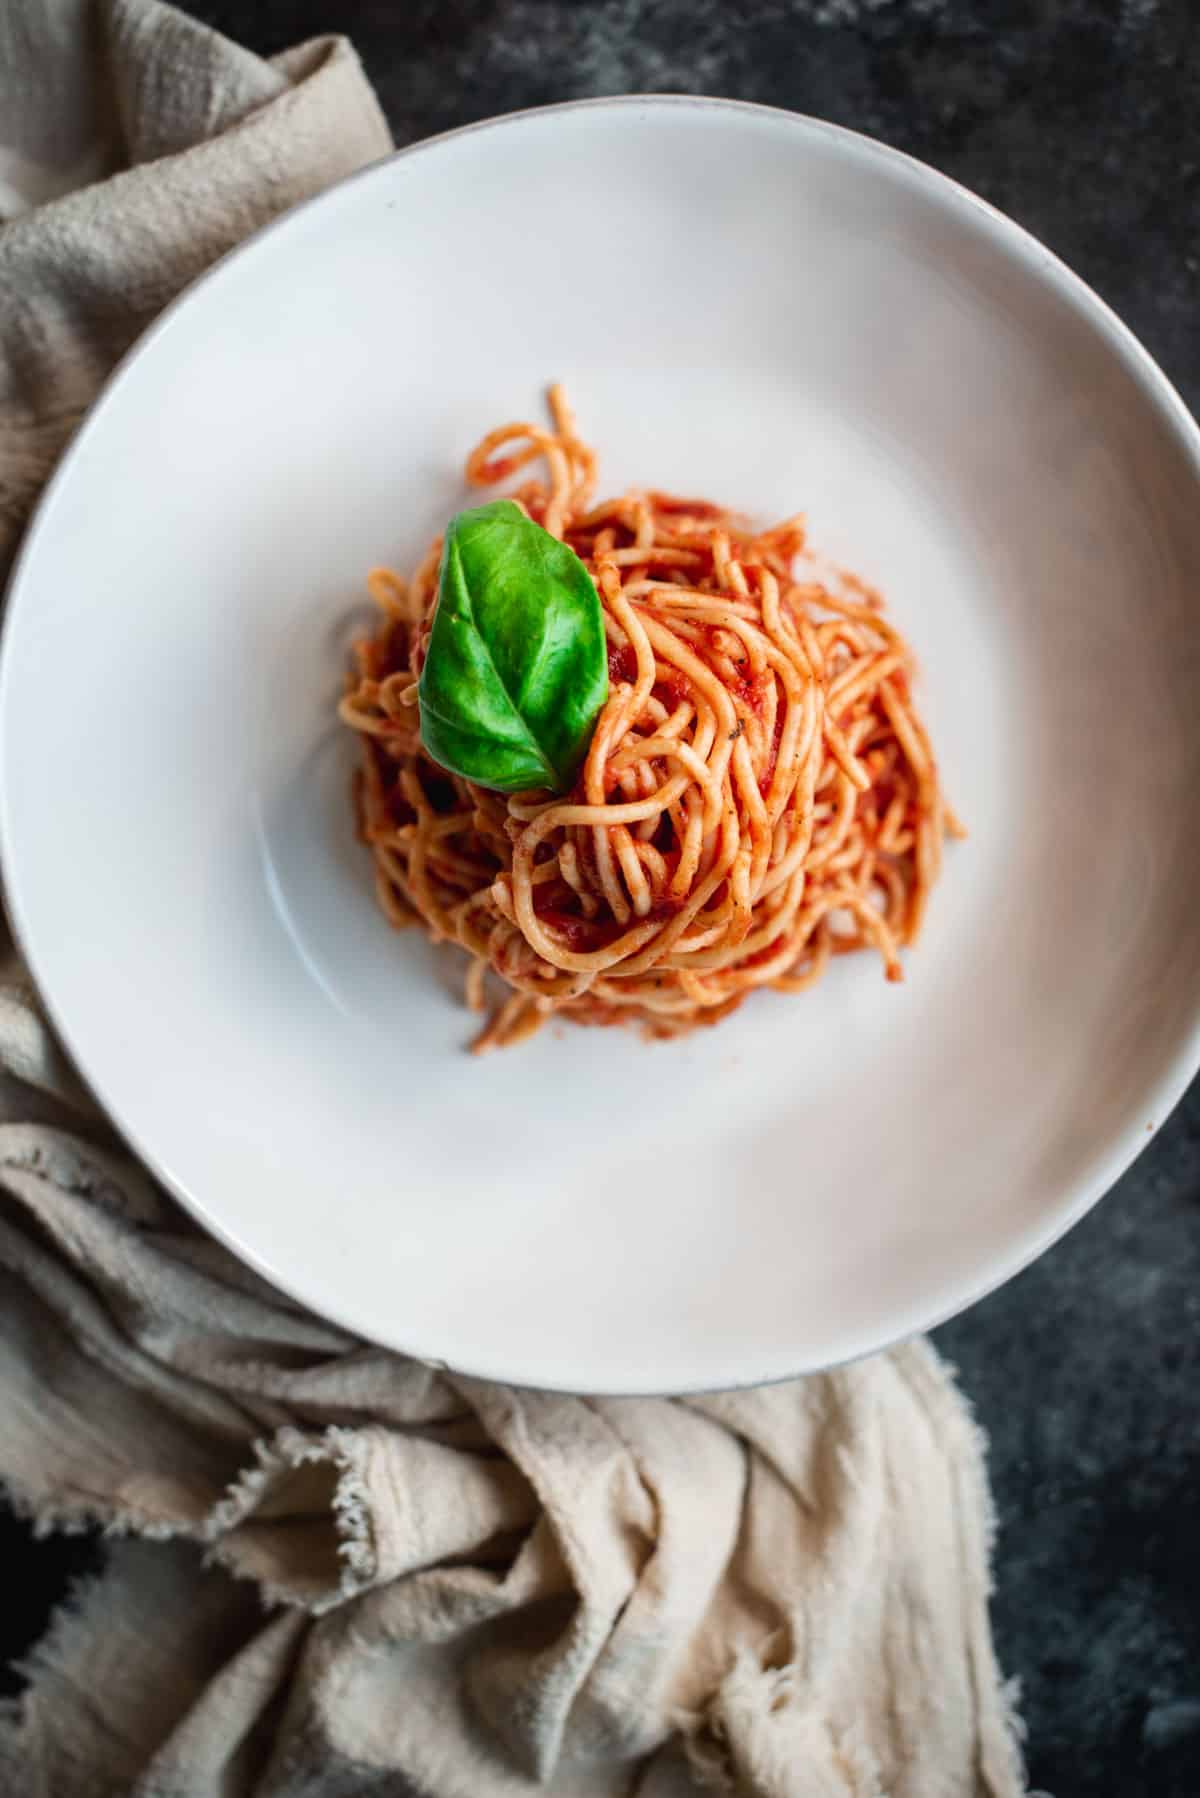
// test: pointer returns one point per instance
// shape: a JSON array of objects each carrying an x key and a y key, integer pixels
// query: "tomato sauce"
[
  {"x": 498, "y": 470},
  {"x": 622, "y": 664},
  {"x": 575, "y": 933},
  {"x": 665, "y": 908},
  {"x": 672, "y": 690},
  {"x": 674, "y": 503},
  {"x": 768, "y": 773}
]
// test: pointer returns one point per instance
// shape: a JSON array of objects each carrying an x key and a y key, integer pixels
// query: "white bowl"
[{"x": 743, "y": 303}]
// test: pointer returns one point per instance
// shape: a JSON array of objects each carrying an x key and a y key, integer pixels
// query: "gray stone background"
[{"x": 1080, "y": 118}]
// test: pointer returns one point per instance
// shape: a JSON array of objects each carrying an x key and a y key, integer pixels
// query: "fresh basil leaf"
[{"x": 516, "y": 669}]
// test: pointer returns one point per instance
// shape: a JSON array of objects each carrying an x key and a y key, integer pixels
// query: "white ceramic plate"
[{"x": 743, "y": 303}]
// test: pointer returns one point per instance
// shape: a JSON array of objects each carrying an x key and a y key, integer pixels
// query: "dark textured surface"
[{"x": 1082, "y": 121}]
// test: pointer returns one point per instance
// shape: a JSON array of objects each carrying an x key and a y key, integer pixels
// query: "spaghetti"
[{"x": 759, "y": 794}]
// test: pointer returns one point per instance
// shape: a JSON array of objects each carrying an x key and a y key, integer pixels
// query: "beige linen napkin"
[
  {"x": 334, "y": 1571},
  {"x": 205, "y": 142}
]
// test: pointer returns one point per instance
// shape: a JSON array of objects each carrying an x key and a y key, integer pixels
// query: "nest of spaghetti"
[{"x": 759, "y": 794}]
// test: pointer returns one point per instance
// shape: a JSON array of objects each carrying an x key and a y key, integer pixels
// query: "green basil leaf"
[{"x": 516, "y": 669}]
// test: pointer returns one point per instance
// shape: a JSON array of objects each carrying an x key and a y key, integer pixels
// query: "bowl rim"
[{"x": 1010, "y": 238}]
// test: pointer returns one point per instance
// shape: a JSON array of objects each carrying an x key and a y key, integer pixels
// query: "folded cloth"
[
  {"x": 334, "y": 1571},
  {"x": 205, "y": 142},
  {"x": 478, "y": 1589}
]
